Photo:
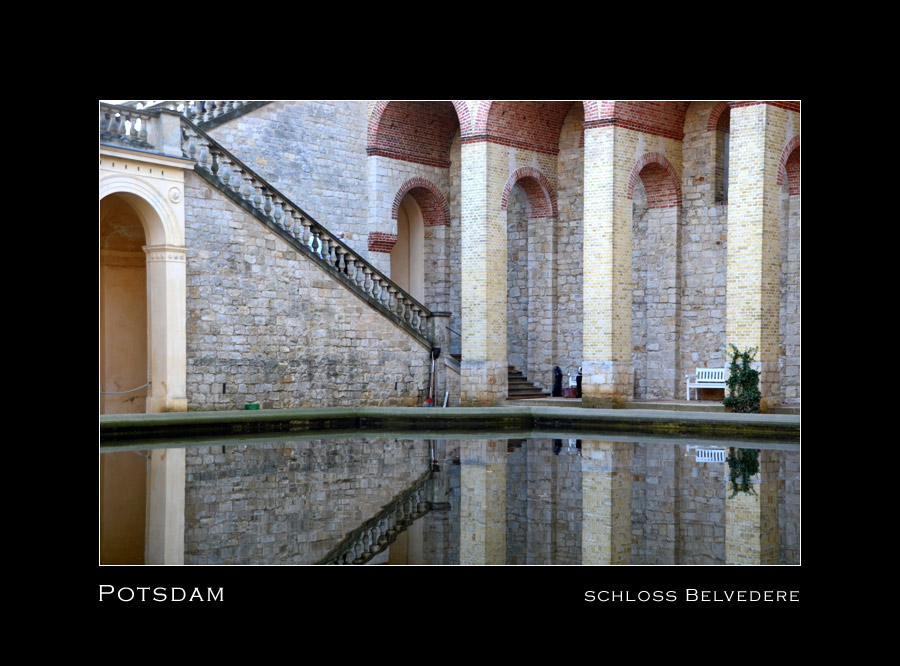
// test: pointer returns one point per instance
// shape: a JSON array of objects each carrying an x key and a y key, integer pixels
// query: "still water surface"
[{"x": 536, "y": 501}]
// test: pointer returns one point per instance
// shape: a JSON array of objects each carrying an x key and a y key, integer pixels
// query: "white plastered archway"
[{"x": 154, "y": 188}]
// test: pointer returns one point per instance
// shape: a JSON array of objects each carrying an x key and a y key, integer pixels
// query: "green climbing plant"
[
  {"x": 742, "y": 465},
  {"x": 743, "y": 382}
]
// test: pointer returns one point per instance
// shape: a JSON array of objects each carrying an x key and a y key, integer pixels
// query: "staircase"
[
  {"x": 520, "y": 388},
  {"x": 123, "y": 125}
]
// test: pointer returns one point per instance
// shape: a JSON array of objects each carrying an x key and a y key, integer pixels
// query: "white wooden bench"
[{"x": 705, "y": 378}]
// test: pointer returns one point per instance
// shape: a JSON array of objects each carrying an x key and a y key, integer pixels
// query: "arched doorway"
[
  {"x": 408, "y": 253},
  {"x": 124, "y": 377},
  {"x": 123, "y": 309}
]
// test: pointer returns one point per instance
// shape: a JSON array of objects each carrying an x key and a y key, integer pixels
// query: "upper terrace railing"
[
  {"x": 125, "y": 125},
  {"x": 198, "y": 111}
]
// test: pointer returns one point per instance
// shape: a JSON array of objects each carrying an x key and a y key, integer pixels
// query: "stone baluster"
[
  {"x": 365, "y": 284},
  {"x": 392, "y": 298},
  {"x": 289, "y": 222},
  {"x": 278, "y": 213},
  {"x": 144, "y": 132},
  {"x": 305, "y": 230},
  {"x": 214, "y": 164}
]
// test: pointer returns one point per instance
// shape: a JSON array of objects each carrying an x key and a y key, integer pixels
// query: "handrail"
[
  {"x": 380, "y": 531},
  {"x": 252, "y": 191}
]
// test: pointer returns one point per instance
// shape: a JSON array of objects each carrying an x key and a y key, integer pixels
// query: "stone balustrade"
[
  {"x": 121, "y": 124},
  {"x": 250, "y": 190},
  {"x": 379, "y": 532}
]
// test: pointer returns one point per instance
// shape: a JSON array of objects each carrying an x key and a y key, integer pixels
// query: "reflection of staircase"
[
  {"x": 380, "y": 531},
  {"x": 520, "y": 388}
]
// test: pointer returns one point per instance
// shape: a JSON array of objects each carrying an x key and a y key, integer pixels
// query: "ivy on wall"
[{"x": 743, "y": 382}]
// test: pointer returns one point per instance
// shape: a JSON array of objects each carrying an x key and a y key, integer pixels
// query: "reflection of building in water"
[{"x": 489, "y": 502}]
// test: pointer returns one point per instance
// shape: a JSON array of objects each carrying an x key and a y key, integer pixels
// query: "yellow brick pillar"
[
  {"x": 606, "y": 502},
  {"x": 483, "y": 379},
  {"x": 751, "y": 519},
  {"x": 482, "y": 519},
  {"x": 608, "y": 371},
  {"x": 754, "y": 238}
]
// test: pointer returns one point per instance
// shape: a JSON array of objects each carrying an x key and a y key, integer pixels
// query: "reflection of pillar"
[
  {"x": 608, "y": 368},
  {"x": 483, "y": 502},
  {"x": 606, "y": 500},
  {"x": 751, "y": 520},
  {"x": 483, "y": 275},
  {"x": 165, "y": 507},
  {"x": 166, "y": 294}
]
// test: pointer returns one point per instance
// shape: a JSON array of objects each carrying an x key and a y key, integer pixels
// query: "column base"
[
  {"x": 483, "y": 383},
  {"x": 607, "y": 384}
]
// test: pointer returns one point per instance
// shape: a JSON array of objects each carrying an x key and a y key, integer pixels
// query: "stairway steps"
[{"x": 519, "y": 388}]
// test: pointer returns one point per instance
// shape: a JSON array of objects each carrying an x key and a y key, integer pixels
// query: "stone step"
[{"x": 519, "y": 388}]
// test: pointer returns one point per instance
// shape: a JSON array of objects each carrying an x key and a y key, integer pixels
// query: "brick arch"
[
  {"x": 429, "y": 144},
  {"x": 661, "y": 182},
  {"x": 483, "y": 111},
  {"x": 790, "y": 164},
  {"x": 435, "y": 210},
  {"x": 541, "y": 196},
  {"x": 719, "y": 117}
]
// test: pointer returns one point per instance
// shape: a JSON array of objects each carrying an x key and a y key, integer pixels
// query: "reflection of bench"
[{"x": 705, "y": 378}]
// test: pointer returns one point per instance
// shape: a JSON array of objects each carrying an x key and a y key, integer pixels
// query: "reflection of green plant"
[
  {"x": 743, "y": 382},
  {"x": 742, "y": 465}
]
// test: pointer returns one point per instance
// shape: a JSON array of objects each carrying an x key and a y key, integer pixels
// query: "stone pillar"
[
  {"x": 606, "y": 475},
  {"x": 482, "y": 502},
  {"x": 483, "y": 275},
  {"x": 440, "y": 336},
  {"x": 754, "y": 238},
  {"x": 166, "y": 293},
  {"x": 608, "y": 370},
  {"x": 166, "y": 309}
]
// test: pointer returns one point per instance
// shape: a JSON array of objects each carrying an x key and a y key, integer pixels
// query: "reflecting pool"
[{"x": 538, "y": 500}]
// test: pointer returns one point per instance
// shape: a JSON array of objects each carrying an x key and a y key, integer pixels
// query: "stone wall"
[
  {"x": 569, "y": 242},
  {"x": 314, "y": 152},
  {"x": 266, "y": 324}
]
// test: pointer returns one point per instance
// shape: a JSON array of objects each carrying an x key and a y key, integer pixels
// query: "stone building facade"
[{"x": 307, "y": 253}]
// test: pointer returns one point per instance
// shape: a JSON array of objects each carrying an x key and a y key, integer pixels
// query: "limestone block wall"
[
  {"x": 655, "y": 304},
  {"x": 315, "y": 153},
  {"x": 704, "y": 244},
  {"x": 569, "y": 242},
  {"x": 265, "y": 324},
  {"x": 289, "y": 502}
]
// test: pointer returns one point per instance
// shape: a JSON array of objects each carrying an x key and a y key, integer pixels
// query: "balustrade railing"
[
  {"x": 122, "y": 124},
  {"x": 197, "y": 111},
  {"x": 247, "y": 187},
  {"x": 380, "y": 531}
]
